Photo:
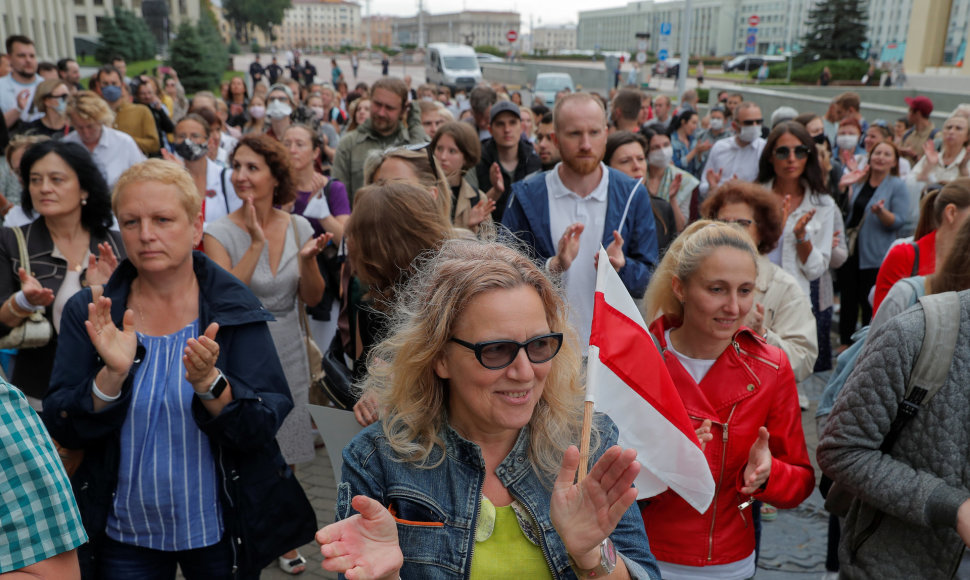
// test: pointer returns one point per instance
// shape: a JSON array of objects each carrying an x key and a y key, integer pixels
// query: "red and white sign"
[
  {"x": 753, "y": 20},
  {"x": 511, "y": 36},
  {"x": 627, "y": 379}
]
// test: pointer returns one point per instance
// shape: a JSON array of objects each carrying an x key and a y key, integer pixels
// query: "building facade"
[
  {"x": 49, "y": 23},
  {"x": 314, "y": 24},
  {"x": 549, "y": 39},
  {"x": 379, "y": 27},
  {"x": 473, "y": 28}
]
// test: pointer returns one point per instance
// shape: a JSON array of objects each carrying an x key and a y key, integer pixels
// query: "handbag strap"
[
  {"x": 301, "y": 307},
  {"x": 22, "y": 247}
]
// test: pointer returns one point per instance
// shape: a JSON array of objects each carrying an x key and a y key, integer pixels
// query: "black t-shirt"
[
  {"x": 859, "y": 204},
  {"x": 274, "y": 71}
]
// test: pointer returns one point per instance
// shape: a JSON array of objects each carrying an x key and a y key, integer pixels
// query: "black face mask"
[
  {"x": 820, "y": 138},
  {"x": 190, "y": 150}
]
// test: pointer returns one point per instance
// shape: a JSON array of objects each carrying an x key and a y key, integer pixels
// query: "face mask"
[
  {"x": 749, "y": 133},
  {"x": 278, "y": 110},
  {"x": 111, "y": 93},
  {"x": 257, "y": 112},
  {"x": 317, "y": 112},
  {"x": 61, "y": 107},
  {"x": 819, "y": 139},
  {"x": 717, "y": 124},
  {"x": 846, "y": 142},
  {"x": 661, "y": 157},
  {"x": 190, "y": 150}
]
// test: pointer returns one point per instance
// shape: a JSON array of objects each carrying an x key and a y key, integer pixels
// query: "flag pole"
[{"x": 591, "y": 366}]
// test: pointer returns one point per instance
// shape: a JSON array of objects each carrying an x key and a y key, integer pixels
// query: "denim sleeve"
[{"x": 359, "y": 474}]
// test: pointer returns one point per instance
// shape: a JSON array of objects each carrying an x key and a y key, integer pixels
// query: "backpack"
[{"x": 942, "y": 313}]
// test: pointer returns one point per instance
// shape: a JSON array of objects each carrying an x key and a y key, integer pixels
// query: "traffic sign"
[
  {"x": 752, "y": 39},
  {"x": 511, "y": 36},
  {"x": 641, "y": 45},
  {"x": 752, "y": 30},
  {"x": 662, "y": 54},
  {"x": 753, "y": 20},
  {"x": 664, "y": 29},
  {"x": 641, "y": 57}
]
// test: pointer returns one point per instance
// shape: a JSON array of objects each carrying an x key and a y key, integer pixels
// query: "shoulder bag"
[{"x": 35, "y": 331}]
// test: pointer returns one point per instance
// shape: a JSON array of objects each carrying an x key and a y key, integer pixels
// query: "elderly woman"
[
  {"x": 69, "y": 245},
  {"x": 169, "y": 382},
  {"x": 113, "y": 150},
  {"x": 470, "y": 471},
  {"x": 51, "y": 98}
]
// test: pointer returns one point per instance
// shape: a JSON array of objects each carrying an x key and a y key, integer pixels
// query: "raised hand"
[
  {"x": 200, "y": 357},
  {"x": 802, "y": 223},
  {"x": 714, "y": 177},
  {"x": 930, "y": 152},
  {"x": 101, "y": 267},
  {"x": 878, "y": 207},
  {"x": 758, "y": 469},
  {"x": 318, "y": 182},
  {"x": 848, "y": 160},
  {"x": 36, "y": 294},
  {"x": 363, "y": 546},
  {"x": 852, "y": 178},
  {"x": 756, "y": 319},
  {"x": 615, "y": 251},
  {"x": 584, "y": 514},
  {"x": 704, "y": 434},
  {"x": 674, "y": 188},
  {"x": 567, "y": 248},
  {"x": 23, "y": 99},
  {"x": 480, "y": 211},
  {"x": 785, "y": 209},
  {"x": 115, "y": 346},
  {"x": 498, "y": 184},
  {"x": 253, "y": 228},
  {"x": 314, "y": 246}
]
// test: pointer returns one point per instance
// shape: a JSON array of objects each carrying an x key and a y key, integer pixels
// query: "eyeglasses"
[
  {"x": 58, "y": 97},
  {"x": 744, "y": 223},
  {"x": 498, "y": 354},
  {"x": 749, "y": 122},
  {"x": 783, "y": 152}
]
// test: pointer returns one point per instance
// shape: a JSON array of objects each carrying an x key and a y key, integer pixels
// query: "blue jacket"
[
  {"x": 440, "y": 504},
  {"x": 527, "y": 216},
  {"x": 874, "y": 238},
  {"x": 265, "y": 510}
]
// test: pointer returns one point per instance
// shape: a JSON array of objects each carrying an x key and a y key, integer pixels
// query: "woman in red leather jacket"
[{"x": 740, "y": 394}]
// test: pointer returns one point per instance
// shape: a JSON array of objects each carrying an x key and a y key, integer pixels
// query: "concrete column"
[{"x": 928, "y": 22}]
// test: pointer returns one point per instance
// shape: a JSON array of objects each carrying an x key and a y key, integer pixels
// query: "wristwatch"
[
  {"x": 215, "y": 389},
  {"x": 607, "y": 562}
]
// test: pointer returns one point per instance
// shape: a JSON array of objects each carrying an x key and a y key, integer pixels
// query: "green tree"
[
  {"x": 836, "y": 29},
  {"x": 126, "y": 35},
  {"x": 265, "y": 13},
  {"x": 198, "y": 60}
]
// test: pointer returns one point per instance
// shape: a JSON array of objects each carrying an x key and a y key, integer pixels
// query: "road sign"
[
  {"x": 641, "y": 45},
  {"x": 752, "y": 30},
  {"x": 753, "y": 20},
  {"x": 641, "y": 57},
  {"x": 664, "y": 29},
  {"x": 662, "y": 54},
  {"x": 511, "y": 36},
  {"x": 752, "y": 40}
]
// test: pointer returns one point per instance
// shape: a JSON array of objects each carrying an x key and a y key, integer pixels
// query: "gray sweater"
[{"x": 920, "y": 486}]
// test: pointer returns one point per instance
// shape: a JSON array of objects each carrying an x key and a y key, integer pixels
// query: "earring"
[{"x": 84, "y": 201}]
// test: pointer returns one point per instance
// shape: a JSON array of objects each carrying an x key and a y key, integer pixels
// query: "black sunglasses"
[
  {"x": 750, "y": 122},
  {"x": 498, "y": 354},
  {"x": 783, "y": 152}
]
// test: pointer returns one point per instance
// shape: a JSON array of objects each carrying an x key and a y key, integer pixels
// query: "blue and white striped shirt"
[{"x": 167, "y": 496}]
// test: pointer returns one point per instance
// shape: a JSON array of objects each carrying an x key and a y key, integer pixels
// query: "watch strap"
[
  {"x": 607, "y": 562},
  {"x": 215, "y": 389}
]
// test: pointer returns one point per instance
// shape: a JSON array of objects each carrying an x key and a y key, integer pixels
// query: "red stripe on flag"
[{"x": 628, "y": 351}]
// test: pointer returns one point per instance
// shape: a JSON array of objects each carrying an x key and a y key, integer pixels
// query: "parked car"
[
  {"x": 484, "y": 57},
  {"x": 750, "y": 62},
  {"x": 669, "y": 68},
  {"x": 548, "y": 84}
]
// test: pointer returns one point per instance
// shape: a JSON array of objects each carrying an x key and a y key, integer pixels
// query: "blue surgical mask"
[
  {"x": 61, "y": 107},
  {"x": 111, "y": 93}
]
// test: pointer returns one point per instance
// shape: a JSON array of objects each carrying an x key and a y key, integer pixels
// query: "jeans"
[{"x": 120, "y": 561}]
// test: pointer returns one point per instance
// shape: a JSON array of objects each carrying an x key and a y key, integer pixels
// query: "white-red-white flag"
[{"x": 628, "y": 380}]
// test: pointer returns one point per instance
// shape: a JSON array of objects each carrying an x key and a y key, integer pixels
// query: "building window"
[
  {"x": 99, "y": 23},
  {"x": 79, "y": 2},
  {"x": 81, "y": 23},
  {"x": 99, "y": 2}
]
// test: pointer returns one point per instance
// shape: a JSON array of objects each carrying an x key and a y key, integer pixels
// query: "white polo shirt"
[
  {"x": 566, "y": 208},
  {"x": 115, "y": 152},
  {"x": 733, "y": 159}
]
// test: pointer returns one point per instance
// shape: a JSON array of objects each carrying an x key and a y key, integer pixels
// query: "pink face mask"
[{"x": 257, "y": 112}]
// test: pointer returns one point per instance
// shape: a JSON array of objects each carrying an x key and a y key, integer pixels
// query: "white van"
[{"x": 452, "y": 65}]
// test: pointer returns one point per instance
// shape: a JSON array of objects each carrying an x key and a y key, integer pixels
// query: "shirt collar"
[{"x": 599, "y": 193}]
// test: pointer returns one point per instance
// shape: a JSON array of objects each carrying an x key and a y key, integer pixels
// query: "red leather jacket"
[{"x": 751, "y": 384}]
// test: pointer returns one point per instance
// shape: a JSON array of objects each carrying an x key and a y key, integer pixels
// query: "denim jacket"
[{"x": 437, "y": 508}]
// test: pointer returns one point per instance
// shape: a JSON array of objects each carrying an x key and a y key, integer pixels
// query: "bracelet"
[
  {"x": 24, "y": 304},
  {"x": 14, "y": 312},
  {"x": 801, "y": 240},
  {"x": 99, "y": 394}
]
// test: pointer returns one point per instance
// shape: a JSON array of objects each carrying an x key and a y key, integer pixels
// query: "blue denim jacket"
[{"x": 437, "y": 508}]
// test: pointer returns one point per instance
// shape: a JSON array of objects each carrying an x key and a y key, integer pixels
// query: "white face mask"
[
  {"x": 749, "y": 133},
  {"x": 717, "y": 124},
  {"x": 278, "y": 110},
  {"x": 846, "y": 142},
  {"x": 661, "y": 157}
]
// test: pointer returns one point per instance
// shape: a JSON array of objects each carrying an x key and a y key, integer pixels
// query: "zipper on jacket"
[
  {"x": 740, "y": 351},
  {"x": 233, "y": 539},
  {"x": 542, "y": 536},
  {"x": 720, "y": 478},
  {"x": 474, "y": 525}
]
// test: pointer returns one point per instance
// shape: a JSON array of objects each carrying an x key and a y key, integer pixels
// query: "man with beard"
[
  {"x": 545, "y": 146},
  {"x": 564, "y": 215},
  {"x": 389, "y": 107},
  {"x": 17, "y": 88}
]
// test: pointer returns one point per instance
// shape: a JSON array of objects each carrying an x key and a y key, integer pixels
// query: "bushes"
[{"x": 842, "y": 70}]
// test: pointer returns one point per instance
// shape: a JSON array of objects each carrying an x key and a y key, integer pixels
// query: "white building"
[
  {"x": 473, "y": 28},
  {"x": 49, "y": 23},
  {"x": 549, "y": 39},
  {"x": 315, "y": 24}
]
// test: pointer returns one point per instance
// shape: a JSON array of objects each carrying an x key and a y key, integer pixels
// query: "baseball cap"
[
  {"x": 922, "y": 104},
  {"x": 502, "y": 107}
]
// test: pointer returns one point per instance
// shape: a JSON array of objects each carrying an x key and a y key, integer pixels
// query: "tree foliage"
[
  {"x": 837, "y": 29},
  {"x": 263, "y": 13},
  {"x": 199, "y": 55},
  {"x": 126, "y": 35}
]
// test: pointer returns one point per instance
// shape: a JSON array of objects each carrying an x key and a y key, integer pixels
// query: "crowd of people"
[{"x": 169, "y": 262}]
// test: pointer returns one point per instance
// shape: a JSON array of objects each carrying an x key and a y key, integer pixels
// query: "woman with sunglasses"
[
  {"x": 740, "y": 394},
  {"x": 470, "y": 471},
  {"x": 790, "y": 168},
  {"x": 51, "y": 98}
]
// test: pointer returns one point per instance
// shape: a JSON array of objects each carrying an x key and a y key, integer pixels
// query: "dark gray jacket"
[{"x": 921, "y": 484}]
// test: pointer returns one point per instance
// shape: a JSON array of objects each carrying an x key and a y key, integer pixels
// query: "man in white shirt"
[
  {"x": 17, "y": 88},
  {"x": 584, "y": 204},
  {"x": 113, "y": 150},
  {"x": 736, "y": 158}
]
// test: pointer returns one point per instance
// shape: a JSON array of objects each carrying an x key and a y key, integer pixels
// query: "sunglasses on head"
[
  {"x": 783, "y": 152},
  {"x": 498, "y": 354},
  {"x": 750, "y": 122}
]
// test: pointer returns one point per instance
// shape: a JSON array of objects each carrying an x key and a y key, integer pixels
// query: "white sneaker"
[
  {"x": 830, "y": 576},
  {"x": 803, "y": 402}
]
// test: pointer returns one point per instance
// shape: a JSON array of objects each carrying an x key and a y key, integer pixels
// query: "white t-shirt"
[
  {"x": 697, "y": 368},
  {"x": 9, "y": 89}
]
